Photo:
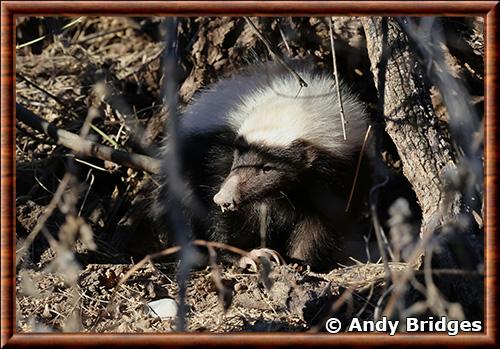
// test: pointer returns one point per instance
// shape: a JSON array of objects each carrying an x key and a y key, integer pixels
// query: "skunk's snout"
[{"x": 228, "y": 196}]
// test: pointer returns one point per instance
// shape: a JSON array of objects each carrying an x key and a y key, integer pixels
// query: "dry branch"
[{"x": 85, "y": 147}]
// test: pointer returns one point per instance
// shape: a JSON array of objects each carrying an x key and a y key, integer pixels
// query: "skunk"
[{"x": 265, "y": 164}]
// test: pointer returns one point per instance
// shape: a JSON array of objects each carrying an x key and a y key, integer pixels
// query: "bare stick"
[
  {"x": 70, "y": 24},
  {"x": 334, "y": 62},
  {"x": 222, "y": 246},
  {"x": 360, "y": 157},
  {"x": 344, "y": 297},
  {"x": 381, "y": 242},
  {"x": 217, "y": 277},
  {"x": 46, "y": 214},
  {"x": 284, "y": 39},
  {"x": 402, "y": 280},
  {"x": 85, "y": 147},
  {"x": 274, "y": 55}
]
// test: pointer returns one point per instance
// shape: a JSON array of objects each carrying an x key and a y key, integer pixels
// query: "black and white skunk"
[{"x": 266, "y": 162}]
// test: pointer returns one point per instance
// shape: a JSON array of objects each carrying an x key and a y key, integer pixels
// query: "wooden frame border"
[{"x": 488, "y": 9}]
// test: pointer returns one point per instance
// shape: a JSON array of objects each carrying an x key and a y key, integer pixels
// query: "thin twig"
[
  {"x": 70, "y": 24},
  {"x": 284, "y": 39},
  {"x": 86, "y": 163},
  {"x": 378, "y": 228},
  {"x": 274, "y": 55},
  {"x": 378, "y": 307},
  {"x": 402, "y": 280},
  {"x": 46, "y": 214},
  {"x": 334, "y": 62},
  {"x": 358, "y": 165},
  {"x": 217, "y": 276},
  {"x": 177, "y": 185},
  {"x": 344, "y": 297},
  {"x": 87, "y": 191},
  {"x": 367, "y": 302},
  {"x": 434, "y": 299}
]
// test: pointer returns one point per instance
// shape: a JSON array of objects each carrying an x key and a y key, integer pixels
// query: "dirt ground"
[{"x": 68, "y": 277}]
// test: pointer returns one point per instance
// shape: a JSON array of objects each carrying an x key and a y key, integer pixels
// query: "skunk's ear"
[{"x": 307, "y": 151}]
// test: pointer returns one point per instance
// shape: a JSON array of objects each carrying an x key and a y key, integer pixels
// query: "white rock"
[{"x": 163, "y": 308}]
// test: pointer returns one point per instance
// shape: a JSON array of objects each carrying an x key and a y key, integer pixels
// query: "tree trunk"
[{"x": 425, "y": 148}]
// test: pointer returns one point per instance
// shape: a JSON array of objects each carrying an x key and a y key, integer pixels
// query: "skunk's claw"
[{"x": 249, "y": 261}]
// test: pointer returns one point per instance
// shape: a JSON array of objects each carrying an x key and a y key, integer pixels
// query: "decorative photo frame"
[{"x": 11, "y": 337}]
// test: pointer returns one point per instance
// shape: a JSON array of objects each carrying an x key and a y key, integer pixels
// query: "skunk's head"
[
  {"x": 282, "y": 129},
  {"x": 260, "y": 172}
]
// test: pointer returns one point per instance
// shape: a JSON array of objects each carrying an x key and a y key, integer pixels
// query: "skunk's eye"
[{"x": 266, "y": 168}]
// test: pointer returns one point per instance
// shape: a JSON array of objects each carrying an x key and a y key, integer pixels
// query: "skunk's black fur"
[{"x": 229, "y": 150}]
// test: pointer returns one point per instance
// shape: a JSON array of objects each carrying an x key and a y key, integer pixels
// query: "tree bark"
[
  {"x": 426, "y": 153},
  {"x": 423, "y": 146}
]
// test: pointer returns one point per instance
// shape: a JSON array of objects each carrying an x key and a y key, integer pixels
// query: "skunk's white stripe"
[{"x": 267, "y": 108}]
